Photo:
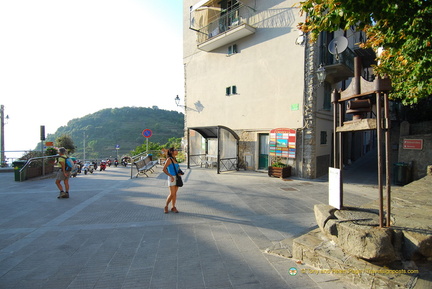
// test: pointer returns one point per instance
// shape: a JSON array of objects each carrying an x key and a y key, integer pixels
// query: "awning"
[
  {"x": 199, "y": 4},
  {"x": 212, "y": 131},
  {"x": 205, "y": 2}
]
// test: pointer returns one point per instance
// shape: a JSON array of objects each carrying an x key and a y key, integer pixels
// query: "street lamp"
[
  {"x": 2, "y": 147},
  {"x": 177, "y": 100},
  {"x": 321, "y": 74},
  {"x": 198, "y": 105}
]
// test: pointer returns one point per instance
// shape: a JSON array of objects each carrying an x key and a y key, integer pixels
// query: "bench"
[
  {"x": 145, "y": 165},
  {"x": 210, "y": 161}
]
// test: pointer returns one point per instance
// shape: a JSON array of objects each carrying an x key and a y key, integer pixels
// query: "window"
[
  {"x": 228, "y": 90},
  {"x": 234, "y": 89},
  {"x": 323, "y": 138},
  {"x": 231, "y": 90},
  {"x": 232, "y": 49},
  {"x": 327, "y": 96},
  {"x": 325, "y": 56}
]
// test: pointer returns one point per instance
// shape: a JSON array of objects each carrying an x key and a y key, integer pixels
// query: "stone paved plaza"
[{"x": 112, "y": 232}]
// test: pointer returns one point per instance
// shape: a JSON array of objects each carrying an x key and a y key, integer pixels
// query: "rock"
[
  {"x": 323, "y": 213},
  {"x": 369, "y": 243},
  {"x": 356, "y": 231},
  {"x": 358, "y": 216},
  {"x": 417, "y": 243}
]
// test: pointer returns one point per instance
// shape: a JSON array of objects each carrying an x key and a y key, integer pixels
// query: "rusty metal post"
[
  {"x": 357, "y": 75},
  {"x": 337, "y": 139},
  {"x": 340, "y": 149},
  {"x": 335, "y": 100},
  {"x": 387, "y": 148},
  {"x": 379, "y": 155}
]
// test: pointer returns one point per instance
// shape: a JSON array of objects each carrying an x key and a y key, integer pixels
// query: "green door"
[{"x": 263, "y": 151}]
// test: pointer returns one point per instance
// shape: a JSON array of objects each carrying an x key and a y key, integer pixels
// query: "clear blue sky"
[{"x": 63, "y": 59}]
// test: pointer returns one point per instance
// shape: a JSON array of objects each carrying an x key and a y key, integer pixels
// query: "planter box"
[{"x": 279, "y": 172}]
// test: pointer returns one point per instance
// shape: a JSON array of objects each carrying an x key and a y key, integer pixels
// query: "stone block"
[
  {"x": 330, "y": 229},
  {"x": 323, "y": 213},
  {"x": 303, "y": 246},
  {"x": 416, "y": 245},
  {"x": 369, "y": 243},
  {"x": 316, "y": 251}
]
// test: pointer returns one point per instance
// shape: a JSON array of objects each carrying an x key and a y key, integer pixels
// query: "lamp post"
[{"x": 2, "y": 147}]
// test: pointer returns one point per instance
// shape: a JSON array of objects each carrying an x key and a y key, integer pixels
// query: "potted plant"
[
  {"x": 279, "y": 170},
  {"x": 51, "y": 152}
]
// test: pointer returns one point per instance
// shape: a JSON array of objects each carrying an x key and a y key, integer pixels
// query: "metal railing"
[
  {"x": 224, "y": 165},
  {"x": 347, "y": 58},
  {"x": 29, "y": 161},
  {"x": 229, "y": 164},
  {"x": 228, "y": 19},
  {"x": 197, "y": 160}
]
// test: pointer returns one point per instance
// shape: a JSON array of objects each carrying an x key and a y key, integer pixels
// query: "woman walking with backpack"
[
  {"x": 171, "y": 169},
  {"x": 62, "y": 175}
]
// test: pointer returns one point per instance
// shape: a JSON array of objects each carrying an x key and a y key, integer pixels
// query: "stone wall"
[{"x": 419, "y": 159}]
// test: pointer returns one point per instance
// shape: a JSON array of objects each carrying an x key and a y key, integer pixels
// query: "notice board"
[{"x": 283, "y": 143}]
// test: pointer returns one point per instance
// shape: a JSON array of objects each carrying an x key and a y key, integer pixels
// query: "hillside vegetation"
[{"x": 105, "y": 129}]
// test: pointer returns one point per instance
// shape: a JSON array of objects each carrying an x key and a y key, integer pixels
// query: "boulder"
[
  {"x": 356, "y": 231},
  {"x": 366, "y": 242},
  {"x": 323, "y": 213}
]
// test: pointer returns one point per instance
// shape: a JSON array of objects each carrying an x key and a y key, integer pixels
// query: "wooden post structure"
[{"x": 362, "y": 90}]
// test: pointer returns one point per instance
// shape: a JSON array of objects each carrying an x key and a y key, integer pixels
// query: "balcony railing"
[
  {"x": 340, "y": 68},
  {"x": 223, "y": 21}
]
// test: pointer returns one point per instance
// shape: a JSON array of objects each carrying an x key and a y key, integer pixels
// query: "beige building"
[{"x": 252, "y": 95}]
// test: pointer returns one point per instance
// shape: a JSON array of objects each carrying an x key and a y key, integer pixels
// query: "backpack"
[{"x": 68, "y": 164}]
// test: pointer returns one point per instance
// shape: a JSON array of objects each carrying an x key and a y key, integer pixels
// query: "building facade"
[{"x": 249, "y": 70}]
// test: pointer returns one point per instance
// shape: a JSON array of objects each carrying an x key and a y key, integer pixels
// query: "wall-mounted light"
[
  {"x": 198, "y": 105},
  {"x": 321, "y": 74},
  {"x": 177, "y": 100}
]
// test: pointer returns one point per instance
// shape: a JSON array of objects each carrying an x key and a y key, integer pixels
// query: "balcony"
[
  {"x": 232, "y": 34},
  {"x": 342, "y": 68},
  {"x": 217, "y": 27}
]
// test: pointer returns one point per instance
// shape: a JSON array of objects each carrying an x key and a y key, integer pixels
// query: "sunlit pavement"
[{"x": 112, "y": 232}]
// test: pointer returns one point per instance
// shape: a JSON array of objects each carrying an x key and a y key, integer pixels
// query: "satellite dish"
[{"x": 337, "y": 46}]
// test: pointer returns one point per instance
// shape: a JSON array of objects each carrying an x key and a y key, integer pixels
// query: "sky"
[{"x": 64, "y": 59}]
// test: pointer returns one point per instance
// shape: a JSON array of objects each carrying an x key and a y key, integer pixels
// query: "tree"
[
  {"x": 174, "y": 142},
  {"x": 401, "y": 27},
  {"x": 143, "y": 148},
  {"x": 66, "y": 142}
]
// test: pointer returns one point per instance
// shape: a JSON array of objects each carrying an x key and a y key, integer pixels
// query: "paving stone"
[{"x": 112, "y": 232}]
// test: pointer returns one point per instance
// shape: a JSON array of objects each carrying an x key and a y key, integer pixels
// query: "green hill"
[{"x": 105, "y": 129}]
